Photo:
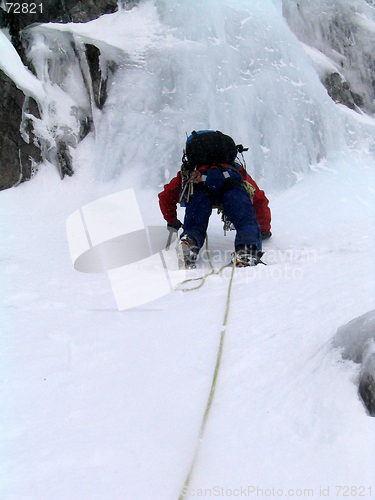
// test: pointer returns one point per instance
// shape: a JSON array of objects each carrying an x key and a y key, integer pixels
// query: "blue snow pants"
[{"x": 235, "y": 202}]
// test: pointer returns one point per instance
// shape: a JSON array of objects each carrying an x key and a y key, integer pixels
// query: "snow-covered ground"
[{"x": 106, "y": 405}]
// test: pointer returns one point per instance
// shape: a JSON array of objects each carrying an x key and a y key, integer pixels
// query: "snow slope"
[{"x": 101, "y": 404}]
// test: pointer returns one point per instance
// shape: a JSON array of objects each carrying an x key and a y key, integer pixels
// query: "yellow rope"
[{"x": 185, "y": 488}]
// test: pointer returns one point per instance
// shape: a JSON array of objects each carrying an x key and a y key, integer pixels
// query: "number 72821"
[{"x": 24, "y": 8}]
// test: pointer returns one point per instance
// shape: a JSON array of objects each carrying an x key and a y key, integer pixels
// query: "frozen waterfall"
[{"x": 232, "y": 65}]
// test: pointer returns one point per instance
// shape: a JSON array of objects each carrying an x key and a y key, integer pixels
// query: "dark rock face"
[
  {"x": 61, "y": 11},
  {"x": 99, "y": 81},
  {"x": 64, "y": 11},
  {"x": 367, "y": 382},
  {"x": 19, "y": 153},
  {"x": 339, "y": 90}
]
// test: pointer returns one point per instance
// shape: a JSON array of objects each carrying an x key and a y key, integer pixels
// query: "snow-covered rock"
[
  {"x": 355, "y": 336},
  {"x": 344, "y": 33},
  {"x": 357, "y": 341}
]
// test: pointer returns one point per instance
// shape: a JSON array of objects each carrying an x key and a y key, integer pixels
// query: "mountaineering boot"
[
  {"x": 187, "y": 251},
  {"x": 248, "y": 255}
]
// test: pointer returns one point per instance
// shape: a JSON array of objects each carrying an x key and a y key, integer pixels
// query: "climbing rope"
[
  {"x": 202, "y": 278},
  {"x": 185, "y": 488}
]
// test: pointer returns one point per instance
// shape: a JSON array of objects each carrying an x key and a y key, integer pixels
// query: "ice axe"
[{"x": 172, "y": 230}]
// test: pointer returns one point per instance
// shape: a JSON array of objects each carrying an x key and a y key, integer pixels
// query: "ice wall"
[{"x": 232, "y": 65}]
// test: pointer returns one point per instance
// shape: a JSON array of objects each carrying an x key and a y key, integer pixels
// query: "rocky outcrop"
[
  {"x": 339, "y": 90},
  {"x": 19, "y": 152},
  {"x": 356, "y": 340},
  {"x": 343, "y": 33},
  {"x": 64, "y": 11}
]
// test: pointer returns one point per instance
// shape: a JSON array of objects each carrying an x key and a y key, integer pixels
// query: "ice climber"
[{"x": 212, "y": 177}]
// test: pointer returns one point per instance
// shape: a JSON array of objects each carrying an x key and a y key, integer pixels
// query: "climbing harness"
[{"x": 197, "y": 179}]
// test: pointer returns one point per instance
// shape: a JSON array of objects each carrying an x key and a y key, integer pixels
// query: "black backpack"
[{"x": 208, "y": 147}]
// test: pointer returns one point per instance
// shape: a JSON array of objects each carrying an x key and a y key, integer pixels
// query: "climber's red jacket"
[{"x": 169, "y": 197}]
